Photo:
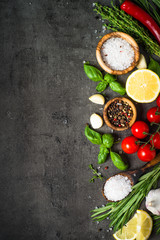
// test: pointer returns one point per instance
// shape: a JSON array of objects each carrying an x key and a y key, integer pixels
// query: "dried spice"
[{"x": 119, "y": 113}]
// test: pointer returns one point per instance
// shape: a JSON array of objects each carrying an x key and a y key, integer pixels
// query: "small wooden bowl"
[
  {"x": 126, "y": 37},
  {"x": 106, "y": 117}
]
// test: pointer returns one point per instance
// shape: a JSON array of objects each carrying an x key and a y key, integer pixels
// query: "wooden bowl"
[
  {"x": 126, "y": 37},
  {"x": 106, "y": 117}
]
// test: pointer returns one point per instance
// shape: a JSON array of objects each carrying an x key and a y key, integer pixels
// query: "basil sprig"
[
  {"x": 105, "y": 141},
  {"x": 95, "y": 75}
]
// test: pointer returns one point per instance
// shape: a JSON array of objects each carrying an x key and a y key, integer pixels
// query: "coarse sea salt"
[
  {"x": 117, "y": 188},
  {"x": 117, "y": 53}
]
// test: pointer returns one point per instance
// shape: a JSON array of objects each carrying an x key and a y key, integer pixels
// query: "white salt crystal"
[
  {"x": 117, "y": 188},
  {"x": 117, "y": 53}
]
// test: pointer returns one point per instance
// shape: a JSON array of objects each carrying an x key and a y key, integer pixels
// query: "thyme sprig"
[
  {"x": 96, "y": 173},
  {"x": 120, "y": 212},
  {"x": 118, "y": 21}
]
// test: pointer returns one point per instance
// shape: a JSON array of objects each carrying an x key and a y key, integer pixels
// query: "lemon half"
[{"x": 143, "y": 86}]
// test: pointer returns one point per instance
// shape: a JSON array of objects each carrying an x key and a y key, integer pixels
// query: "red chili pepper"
[{"x": 138, "y": 13}]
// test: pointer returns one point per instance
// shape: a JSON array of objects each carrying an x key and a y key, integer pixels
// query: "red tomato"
[
  {"x": 158, "y": 101},
  {"x": 156, "y": 140},
  {"x": 152, "y": 116},
  {"x": 139, "y": 128},
  {"x": 129, "y": 145},
  {"x": 145, "y": 153}
]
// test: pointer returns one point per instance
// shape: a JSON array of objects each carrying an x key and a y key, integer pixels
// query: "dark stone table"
[{"x": 45, "y": 192}]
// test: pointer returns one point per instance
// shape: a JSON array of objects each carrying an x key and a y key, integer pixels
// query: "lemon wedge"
[{"x": 139, "y": 227}]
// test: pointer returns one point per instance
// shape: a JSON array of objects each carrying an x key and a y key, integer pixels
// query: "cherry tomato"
[
  {"x": 158, "y": 101},
  {"x": 139, "y": 128},
  {"x": 145, "y": 153},
  {"x": 129, "y": 145},
  {"x": 152, "y": 115},
  {"x": 156, "y": 140}
]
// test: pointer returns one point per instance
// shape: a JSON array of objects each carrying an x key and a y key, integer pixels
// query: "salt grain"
[
  {"x": 117, "y": 53},
  {"x": 117, "y": 188}
]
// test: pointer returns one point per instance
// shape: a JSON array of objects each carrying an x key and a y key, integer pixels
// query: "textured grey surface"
[{"x": 45, "y": 192}]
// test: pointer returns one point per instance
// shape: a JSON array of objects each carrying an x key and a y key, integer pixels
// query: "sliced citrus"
[
  {"x": 128, "y": 232},
  {"x": 139, "y": 227},
  {"x": 144, "y": 225},
  {"x": 143, "y": 86}
]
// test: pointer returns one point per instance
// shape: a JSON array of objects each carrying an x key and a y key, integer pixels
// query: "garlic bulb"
[{"x": 153, "y": 201}]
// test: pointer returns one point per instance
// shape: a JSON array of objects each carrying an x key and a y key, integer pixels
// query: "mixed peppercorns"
[{"x": 119, "y": 113}]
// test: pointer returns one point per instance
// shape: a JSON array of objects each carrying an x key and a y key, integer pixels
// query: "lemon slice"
[
  {"x": 129, "y": 231},
  {"x": 144, "y": 225},
  {"x": 139, "y": 227},
  {"x": 143, "y": 86}
]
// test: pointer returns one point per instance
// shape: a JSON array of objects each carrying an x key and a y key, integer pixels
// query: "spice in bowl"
[
  {"x": 117, "y": 53},
  {"x": 119, "y": 113},
  {"x": 117, "y": 187}
]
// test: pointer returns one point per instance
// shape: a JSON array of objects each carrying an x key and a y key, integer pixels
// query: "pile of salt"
[
  {"x": 117, "y": 53},
  {"x": 117, "y": 188}
]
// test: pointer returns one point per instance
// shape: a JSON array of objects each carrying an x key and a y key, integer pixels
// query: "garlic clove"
[
  {"x": 97, "y": 98},
  {"x": 96, "y": 121},
  {"x": 142, "y": 62}
]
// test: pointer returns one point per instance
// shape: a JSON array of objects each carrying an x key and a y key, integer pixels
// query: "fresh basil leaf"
[
  {"x": 93, "y": 136},
  {"x": 117, "y": 87},
  {"x": 110, "y": 78},
  {"x": 154, "y": 66},
  {"x": 117, "y": 161},
  {"x": 93, "y": 73},
  {"x": 108, "y": 140},
  {"x": 103, "y": 153},
  {"x": 101, "y": 86}
]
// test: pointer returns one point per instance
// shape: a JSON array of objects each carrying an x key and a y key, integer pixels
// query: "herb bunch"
[
  {"x": 150, "y": 8},
  {"x": 96, "y": 173},
  {"x": 120, "y": 212},
  {"x": 95, "y": 75},
  {"x": 118, "y": 20},
  {"x": 156, "y": 223}
]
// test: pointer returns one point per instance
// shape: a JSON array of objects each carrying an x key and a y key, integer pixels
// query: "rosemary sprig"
[
  {"x": 156, "y": 223},
  {"x": 118, "y": 21},
  {"x": 97, "y": 174},
  {"x": 120, "y": 212}
]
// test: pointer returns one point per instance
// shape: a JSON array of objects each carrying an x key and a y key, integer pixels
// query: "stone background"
[{"x": 45, "y": 192}]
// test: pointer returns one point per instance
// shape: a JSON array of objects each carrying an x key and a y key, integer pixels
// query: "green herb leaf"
[
  {"x": 108, "y": 140},
  {"x": 154, "y": 66},
  {"x": 93, "y": 73},
  {"x": 117, "y": 161},
  {"x": 93, "y": 136},
  {"x": 101, "y": 86},
  {"x": 117, "y": 87},
  {"x": 103, "y": 153},
  {"x": 110, "y": 78}
]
